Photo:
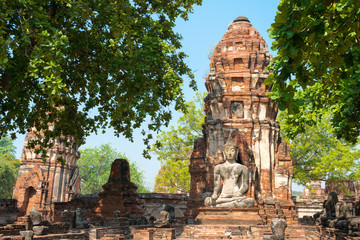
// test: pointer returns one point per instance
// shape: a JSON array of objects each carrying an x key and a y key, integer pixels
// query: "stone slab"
[{"x": 230, "y": 216}]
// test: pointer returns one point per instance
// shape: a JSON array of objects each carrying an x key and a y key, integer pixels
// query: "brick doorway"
[{"x": 29, "y": 199}]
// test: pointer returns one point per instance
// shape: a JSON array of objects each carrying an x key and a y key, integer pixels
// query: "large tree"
[
  {"x": 174, "y": 146},
  {"x": 85, "y": 65},
  {"x": 318, "y": 155},
  {"x": 173, "y": 177},
  {"x": 9, "y": 167},
  {"x": 95, "y": 165},
  {"x": 316, "y": 68}
]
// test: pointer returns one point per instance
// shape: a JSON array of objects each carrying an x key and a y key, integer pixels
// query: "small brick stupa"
[
  {"x": 119, "y": 193},
  {"x": 237, "y": 106},
  {"x": 41, "y": 183}
]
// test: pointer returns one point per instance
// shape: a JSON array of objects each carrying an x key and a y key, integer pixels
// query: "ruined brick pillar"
[
  {"x": 42, "y": 182},
  {"x": 237, "y": 106},
  {"x": 119, "y": 193}
]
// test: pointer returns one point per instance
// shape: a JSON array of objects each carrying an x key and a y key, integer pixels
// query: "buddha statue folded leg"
[{"x": 235, "y": 203}]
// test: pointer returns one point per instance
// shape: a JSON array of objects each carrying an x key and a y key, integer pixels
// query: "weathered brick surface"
[
  {"x": 191, "y": 232},
  {"x": 152, "y": 204},
  {"x": 86, "y": 202},
  {"x": 8, "y": 211},
  {"x": 42, "y": 182},
  {"x": 66, "y": 236},
  {"x": 119, "y": 193},
  {"x": 153, "y": 234},
  {"x": 227, "y": 216},
  {"x": 237, "y": 106},
  {"x": 118, "y": 233}
]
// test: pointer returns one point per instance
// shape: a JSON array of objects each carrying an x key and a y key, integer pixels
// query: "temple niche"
[
  {"x": 237, "y": 107},
  {"x": 41, "y": 183}
]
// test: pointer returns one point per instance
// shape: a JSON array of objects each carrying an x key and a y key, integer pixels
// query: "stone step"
[
  {"x": 112, "y": 237},
  {"x": 62, "y": 236},
  {"x": 200, "y": 232}
]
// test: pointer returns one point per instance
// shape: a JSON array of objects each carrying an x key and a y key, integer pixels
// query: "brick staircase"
[{"x": 204, "y": 232}]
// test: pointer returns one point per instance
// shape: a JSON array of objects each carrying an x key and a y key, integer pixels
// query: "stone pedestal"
[
  {"x": 119, "y": 193},
  {"x": 27, "y": 235},
  {"x": 229, "y": 216}
]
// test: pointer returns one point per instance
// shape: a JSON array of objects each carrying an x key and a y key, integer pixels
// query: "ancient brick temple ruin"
[
  {"x": 237, "y": 109},
  {"x": 237, "y": 106},
  {"x": 41, "y": 183}
]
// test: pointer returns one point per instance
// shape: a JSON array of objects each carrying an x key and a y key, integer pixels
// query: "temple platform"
[
  {"x": 216, "y": 232},
  {"x": 229, "y": 216}
]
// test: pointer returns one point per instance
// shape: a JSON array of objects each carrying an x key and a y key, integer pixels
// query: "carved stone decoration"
[
  {"x": 343, "y": 210},
  {"x": 27, "y": 235},
  {"x": 339, "y": 215},
  {"x": 330, "y": 204},
  {"x": 354, "y": 226},
  {"x": 278, "y": 226},
  {"x": 35, "y": 217},
  {"x": 237, "y": 109}
]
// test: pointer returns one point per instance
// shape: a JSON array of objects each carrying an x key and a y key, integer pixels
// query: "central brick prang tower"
[{"x": 237, "y": 106}]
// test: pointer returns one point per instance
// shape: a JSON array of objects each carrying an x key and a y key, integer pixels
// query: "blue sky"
[{"x": 204, "y": 29}]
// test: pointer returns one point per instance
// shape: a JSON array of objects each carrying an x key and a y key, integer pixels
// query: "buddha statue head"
[{"x": 230, "y": 150}]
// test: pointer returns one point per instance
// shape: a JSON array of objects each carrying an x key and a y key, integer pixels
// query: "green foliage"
[
  {"x": 173, "y": 147},
  {"x": 9, "y": 167},
  {"x": 61, "y": 59},
  {"x": 7, "y": 146},
  {"x": 177, "y": 143},
  {"x": 317, "y": 68},
  {"x": 318, "y": 155},
  {"x": 174, "y": 177},
  {"x": 95, "y": 165}
]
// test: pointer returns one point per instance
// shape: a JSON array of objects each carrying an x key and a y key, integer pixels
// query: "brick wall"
[
  {"x": 85, "y": 202},
  {"x": 8, "y": 211},
  {"x": 151, "y": 203}
]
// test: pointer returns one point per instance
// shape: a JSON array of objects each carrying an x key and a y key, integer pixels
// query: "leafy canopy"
[
  {"x": 317, "y": 65},
  {"x": 173, "y": 177},
  {"x": 173, "y": 148},
  {"x": 318, "y": 155},
  {"x": 85, "y": 65},
  {"x": 9, "y": 167},
  {"x": 177, "y": 143},
  {"x": 7, "y": 146},
  {"x": 95, "y": 165}
]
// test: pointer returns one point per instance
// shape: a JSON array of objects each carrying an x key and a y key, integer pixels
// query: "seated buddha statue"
[{"x": 235, "y": 181}]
